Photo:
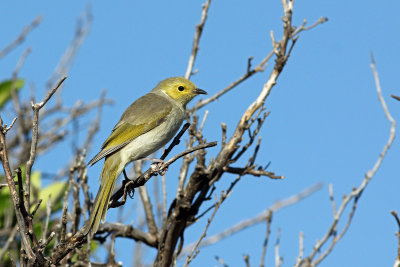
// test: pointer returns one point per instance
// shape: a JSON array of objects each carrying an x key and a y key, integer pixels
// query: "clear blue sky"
[{"x": 326, "y": 124}]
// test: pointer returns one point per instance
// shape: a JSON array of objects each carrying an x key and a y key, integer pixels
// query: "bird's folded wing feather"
[{"x": 143, "y": 115}]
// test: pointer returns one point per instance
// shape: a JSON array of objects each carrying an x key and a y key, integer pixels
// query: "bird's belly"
[{"x": 151, "y": 141}]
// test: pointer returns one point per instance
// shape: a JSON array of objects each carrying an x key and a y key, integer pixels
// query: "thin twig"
[
  {"x": 204, "y": 121},
  {"x": 303, "y": 26},
  {"x": 82, "y": 29},
  {"x": 175, "y": 141},
  {"x": 395, "y": 97},
  {"x": 187, "y": 151},
  {"x": 152, "y": 171},
  {"x": 158, "y": 198},
  {"x": 252, "y": 171},
  {"x": 26, "y": 246},
  {"x": 246, "y": 259},
  {"x": 396, "y": 217},
  {"x": 17, "y": 105},
  {"x": 193, "y": 253},
  {"x": 261, "y": 217},
  {"x": 10, "y": 240},
  {"x": 95, "y": 124},
  {"x": 223, "y": 128},
  {"x": 221, "y": 261},
  {"x": 122, "y": 192},
  {"x": 301, "y": 250},
  {"x": 267, "y": 233},
  {"x": 259, "y": 68},
  {"x": 11, "y": 259},
  {"x": 356, "y": 192},
  {"x": 332, "y": 199},
  {"x": 127, "y": 231},
  {"x": 147, "y": 205},
  {"x": 7, "y": 128},
  {"x": 278, "y": 258},
  {"x": 164, "y": 200},
  {"x": 21, "y": 36},
  {"x": 47, "y": 241},
  {"x": 196, "y": 40},
  {"x": 35, "y": 131}
]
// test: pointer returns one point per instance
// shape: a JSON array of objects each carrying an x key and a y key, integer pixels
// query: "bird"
[{"x": 145, "y": 126}]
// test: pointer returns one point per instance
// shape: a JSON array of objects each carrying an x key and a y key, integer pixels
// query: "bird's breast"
[{"x": 153, "y": 140}]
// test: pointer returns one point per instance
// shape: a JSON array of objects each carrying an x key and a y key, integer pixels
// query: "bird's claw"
[
  {"x": 130, "y": 190},
  {"x": 159, "y": 167}
]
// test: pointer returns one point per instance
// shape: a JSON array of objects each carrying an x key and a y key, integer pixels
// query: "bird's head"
[{"x": 179, "y": 89}]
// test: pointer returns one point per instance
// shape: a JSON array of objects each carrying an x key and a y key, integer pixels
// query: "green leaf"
[
  {"x": 5, "y": 204},
  {"x": 55, "y": 191},
  {"x": 5, "y": 90},
  {"x": 36, "y": 179}
]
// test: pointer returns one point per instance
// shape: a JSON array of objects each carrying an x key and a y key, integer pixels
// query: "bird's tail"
[{"x": 109, "y": 175}]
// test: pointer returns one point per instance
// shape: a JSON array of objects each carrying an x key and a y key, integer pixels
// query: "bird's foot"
[
  {"x": 128, "y": 186},
  {"x": 159, "y": 166}
]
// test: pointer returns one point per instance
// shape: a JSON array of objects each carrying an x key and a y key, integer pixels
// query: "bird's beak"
[{"x": 200, "y": 91}]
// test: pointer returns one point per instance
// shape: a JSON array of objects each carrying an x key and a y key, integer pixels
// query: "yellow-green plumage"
[
  {"x": 145, "y": 126},
  {"x": 109, "y": 176}
]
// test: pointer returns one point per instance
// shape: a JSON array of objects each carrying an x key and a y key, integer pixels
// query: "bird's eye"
[{"x": 181, "y": 88}]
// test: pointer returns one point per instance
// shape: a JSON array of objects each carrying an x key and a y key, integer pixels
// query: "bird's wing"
[{"x": 143, "y": 115}]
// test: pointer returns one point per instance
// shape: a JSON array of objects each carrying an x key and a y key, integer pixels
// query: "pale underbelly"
[{"x": 150, "y": 142}]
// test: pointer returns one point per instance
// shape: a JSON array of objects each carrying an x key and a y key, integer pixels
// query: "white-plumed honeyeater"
[{"x": 145, "y": 126}]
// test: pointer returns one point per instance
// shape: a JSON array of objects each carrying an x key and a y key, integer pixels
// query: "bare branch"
[
  {"x": 395, "y": 97},
  {"x": 49, "y": 94},
  {"x": 127, "y": 231},
  {"x": 303, "y": 26},
  {"x": 223, "y": 127},
  {"x": 47, "y": 221},
  {"x": 193, "y": 253},
  {"x": 196, "y": 40},
  {"x": 252, "y": 171},
  {"x": 176, "y": 141},
  {"x": 47, "y": 241},
  {"x": 10, "y": 240},
  {"x": 246, "y": 259},
  {"x": 95, "y": 125},
  {"x": 301, "y": 250},
  {"x": 356, "y": 192},
  {"x": 11, "y": 259},
  {"x": 164, "y": 200},
  {"x": 35, "y": 130},
  {"x": 21, "y": 114},
  {"x": 249, "y": 72},
  {"x": 14, "y": 195},
  {"x": 7, "y": 128},
  {"x": 204, "y": 121},
  {"x": 278, "y": 258},
  {"x": 332, "y": 199},
  {"x": 396, "y": 217},
  {"x": 262, "y": 217},
  {"x": 148, "y": 207},
  {"x": 154, "y": 169},
  {"x": 21, "y": 37},
  {"x": 187, "y": 151},
  {"x": 82, "y": 29},
  {"x": 267, "y": 233},
  {"x": 221, "y": 261}
]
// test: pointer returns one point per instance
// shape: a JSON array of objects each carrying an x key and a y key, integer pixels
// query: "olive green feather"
[
  {"x": 131, "y": 124},
  {"x": 100, "y": 206}
]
